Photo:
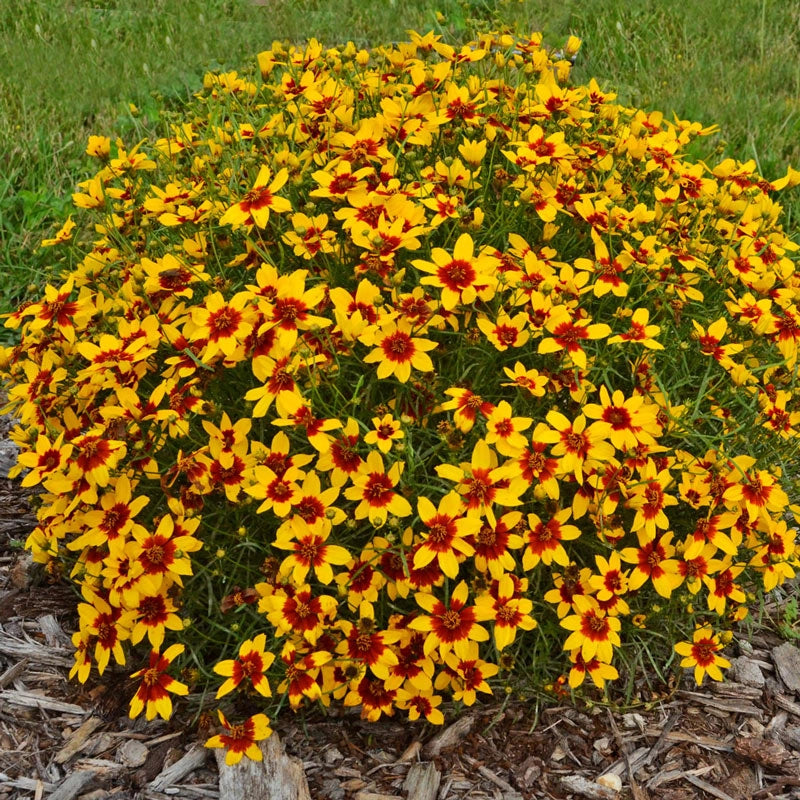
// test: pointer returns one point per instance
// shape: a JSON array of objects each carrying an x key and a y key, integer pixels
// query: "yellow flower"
[
  {"x": 242, "y": 739},
  {"x": 255, "y": 206},
  {"x": 702, "y": 653}
]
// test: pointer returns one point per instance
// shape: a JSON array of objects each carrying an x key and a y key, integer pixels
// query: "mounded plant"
[{"x": 383, "y": 371}]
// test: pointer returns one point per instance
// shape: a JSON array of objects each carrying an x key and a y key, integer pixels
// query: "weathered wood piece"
[
  {"x": 41, "y": 701},
  {"x": 26, "y": 784},
  {"x": 53, "y": 632},
  {"x": 277, "y": 777},
  {"x": 38, "y": 654},
  {"x": 422, "y": 781},
  {"x": 77, "y": 740},
  {"x": 13, "y": 672},
  {"x": 450, "y": 736},
  {"x": 787, "y": 662},
  {"x": 72, "y": 785},
  {"x": 587, "y": 788},
  {"x": 193, "y": 759}
]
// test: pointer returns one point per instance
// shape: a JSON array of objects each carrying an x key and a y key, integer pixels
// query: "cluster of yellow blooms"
[{"x": 381, "y": 359}]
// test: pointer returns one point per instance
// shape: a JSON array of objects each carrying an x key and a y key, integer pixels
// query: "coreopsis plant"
[{"x": 382, "y": 371}]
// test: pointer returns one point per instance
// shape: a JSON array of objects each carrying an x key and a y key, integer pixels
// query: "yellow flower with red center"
[
  {"x": 165, "y": 552},
  {"x": 241, "y": 740},
  {"x": 639, "y": 331},
  {"x": 567, "y": 334},
  {"x": 722, "y": 587},
  {"x": 592, "y": 631},
  {"x": 446, "y": 536},
  {"x": 450, "y": 626},
  {"x": 608, "y": 271},
  {"x": 374, "y": 488},
  {"x": 298, "y": 611},
  {"x": 309, "y": 237},
  {"x": 222, "y": 325},
  {"x": 386, "y": 430},
  {"x": 467, "y": 406},
  {"x": 420, "y": 703},
  {"x": 493, "y": 544},
  {"x": 96, "y": 455},
  {"x": 254, "y": 208},
  {"x": 703, "y": 653},
  {"x": 597, "y": 670},
  {"x": 153, "y": 694},
  {"x": 113, "y": 521},
  {"x": 481, "y": 483},
  {"x": 342, "y": 458},
  {"x": 368, "y": 645},
  {"x": 295, "y": 410},
  {"x": 758, "y": 491},
  {"x": 463, "y": 276},
  {"x": 577, "y": 447},
  {"x": 397, "y": 351},
  {"x": 228, "y": 437},
  {"x": 649, "y": 499},
  {"x": 310, "y": 550},
  {"x": 155, "y": 616},
  {"x": 251, "y": 666},
  {"x": 506, "y": 331},
  {"x": 374, "y": 698},
  {"x": 278, "y": 491},
  {"x": 777, "y": 556},
  {"x": 110, "y": 627},
  {"x": 58, "y": 311},
  {"x": 632, "y": 421},
  {"x": 471, "y": 673},
  {"x": 302, "y": 670},
  {"x": 510, "y": 610},
  {"x": 611, "y": 581},
  {"x": 710, "y": 341},
  {"x": 544, "y": 540},
  {"x": 504, "y": 432},
  {"x": 529, "y": 379},
  {"x": 653, "y": 561}
]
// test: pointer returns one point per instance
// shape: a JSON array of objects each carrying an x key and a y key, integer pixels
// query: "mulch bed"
[{"x": 60, "y": 740}]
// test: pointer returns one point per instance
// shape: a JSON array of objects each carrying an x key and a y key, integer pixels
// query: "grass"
[{"x": 734, "y": 64}]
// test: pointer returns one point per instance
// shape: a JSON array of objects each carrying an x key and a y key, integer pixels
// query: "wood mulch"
[{"x": 739, "y": 740}]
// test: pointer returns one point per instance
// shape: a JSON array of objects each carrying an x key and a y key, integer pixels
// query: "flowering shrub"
[{"x": 386, "y": 368}]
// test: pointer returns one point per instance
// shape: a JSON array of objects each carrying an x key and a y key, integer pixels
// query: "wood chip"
[
  {"x": 587, "y": 788},
  {"x": 422, "y": 781},
  {"x": 72, "y": 785},
  {"x": 41, "y": 701},
  {"x": 39, "y": 654},
  {"x": 193, "y": 759},
  {"x": 787, "y": 662},
  {"x": 747, "y": 672},
  {"x": 726, "y": 704},
  {"x": 450, "y": 736},
  {"x": 278, "y": 776},
  {"x": 767, "y": 752},
  {"x": 132, "y": 754},
  {"x": 707, "y": 787},
  {"x": 706, "y": 742},
  {"x": 13, "y": 672},
  {"x": 53, "y": 633},
  {"x": 636, "y": 790},
  {"x": 787, "y": 705},
  {"x": 26, "y": 784},
  {"x": 411, "y": 752},
  {"x": 77, "y": 740}
]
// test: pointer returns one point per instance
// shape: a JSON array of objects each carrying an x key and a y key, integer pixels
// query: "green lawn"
[{"x": 71, "y": 67}]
